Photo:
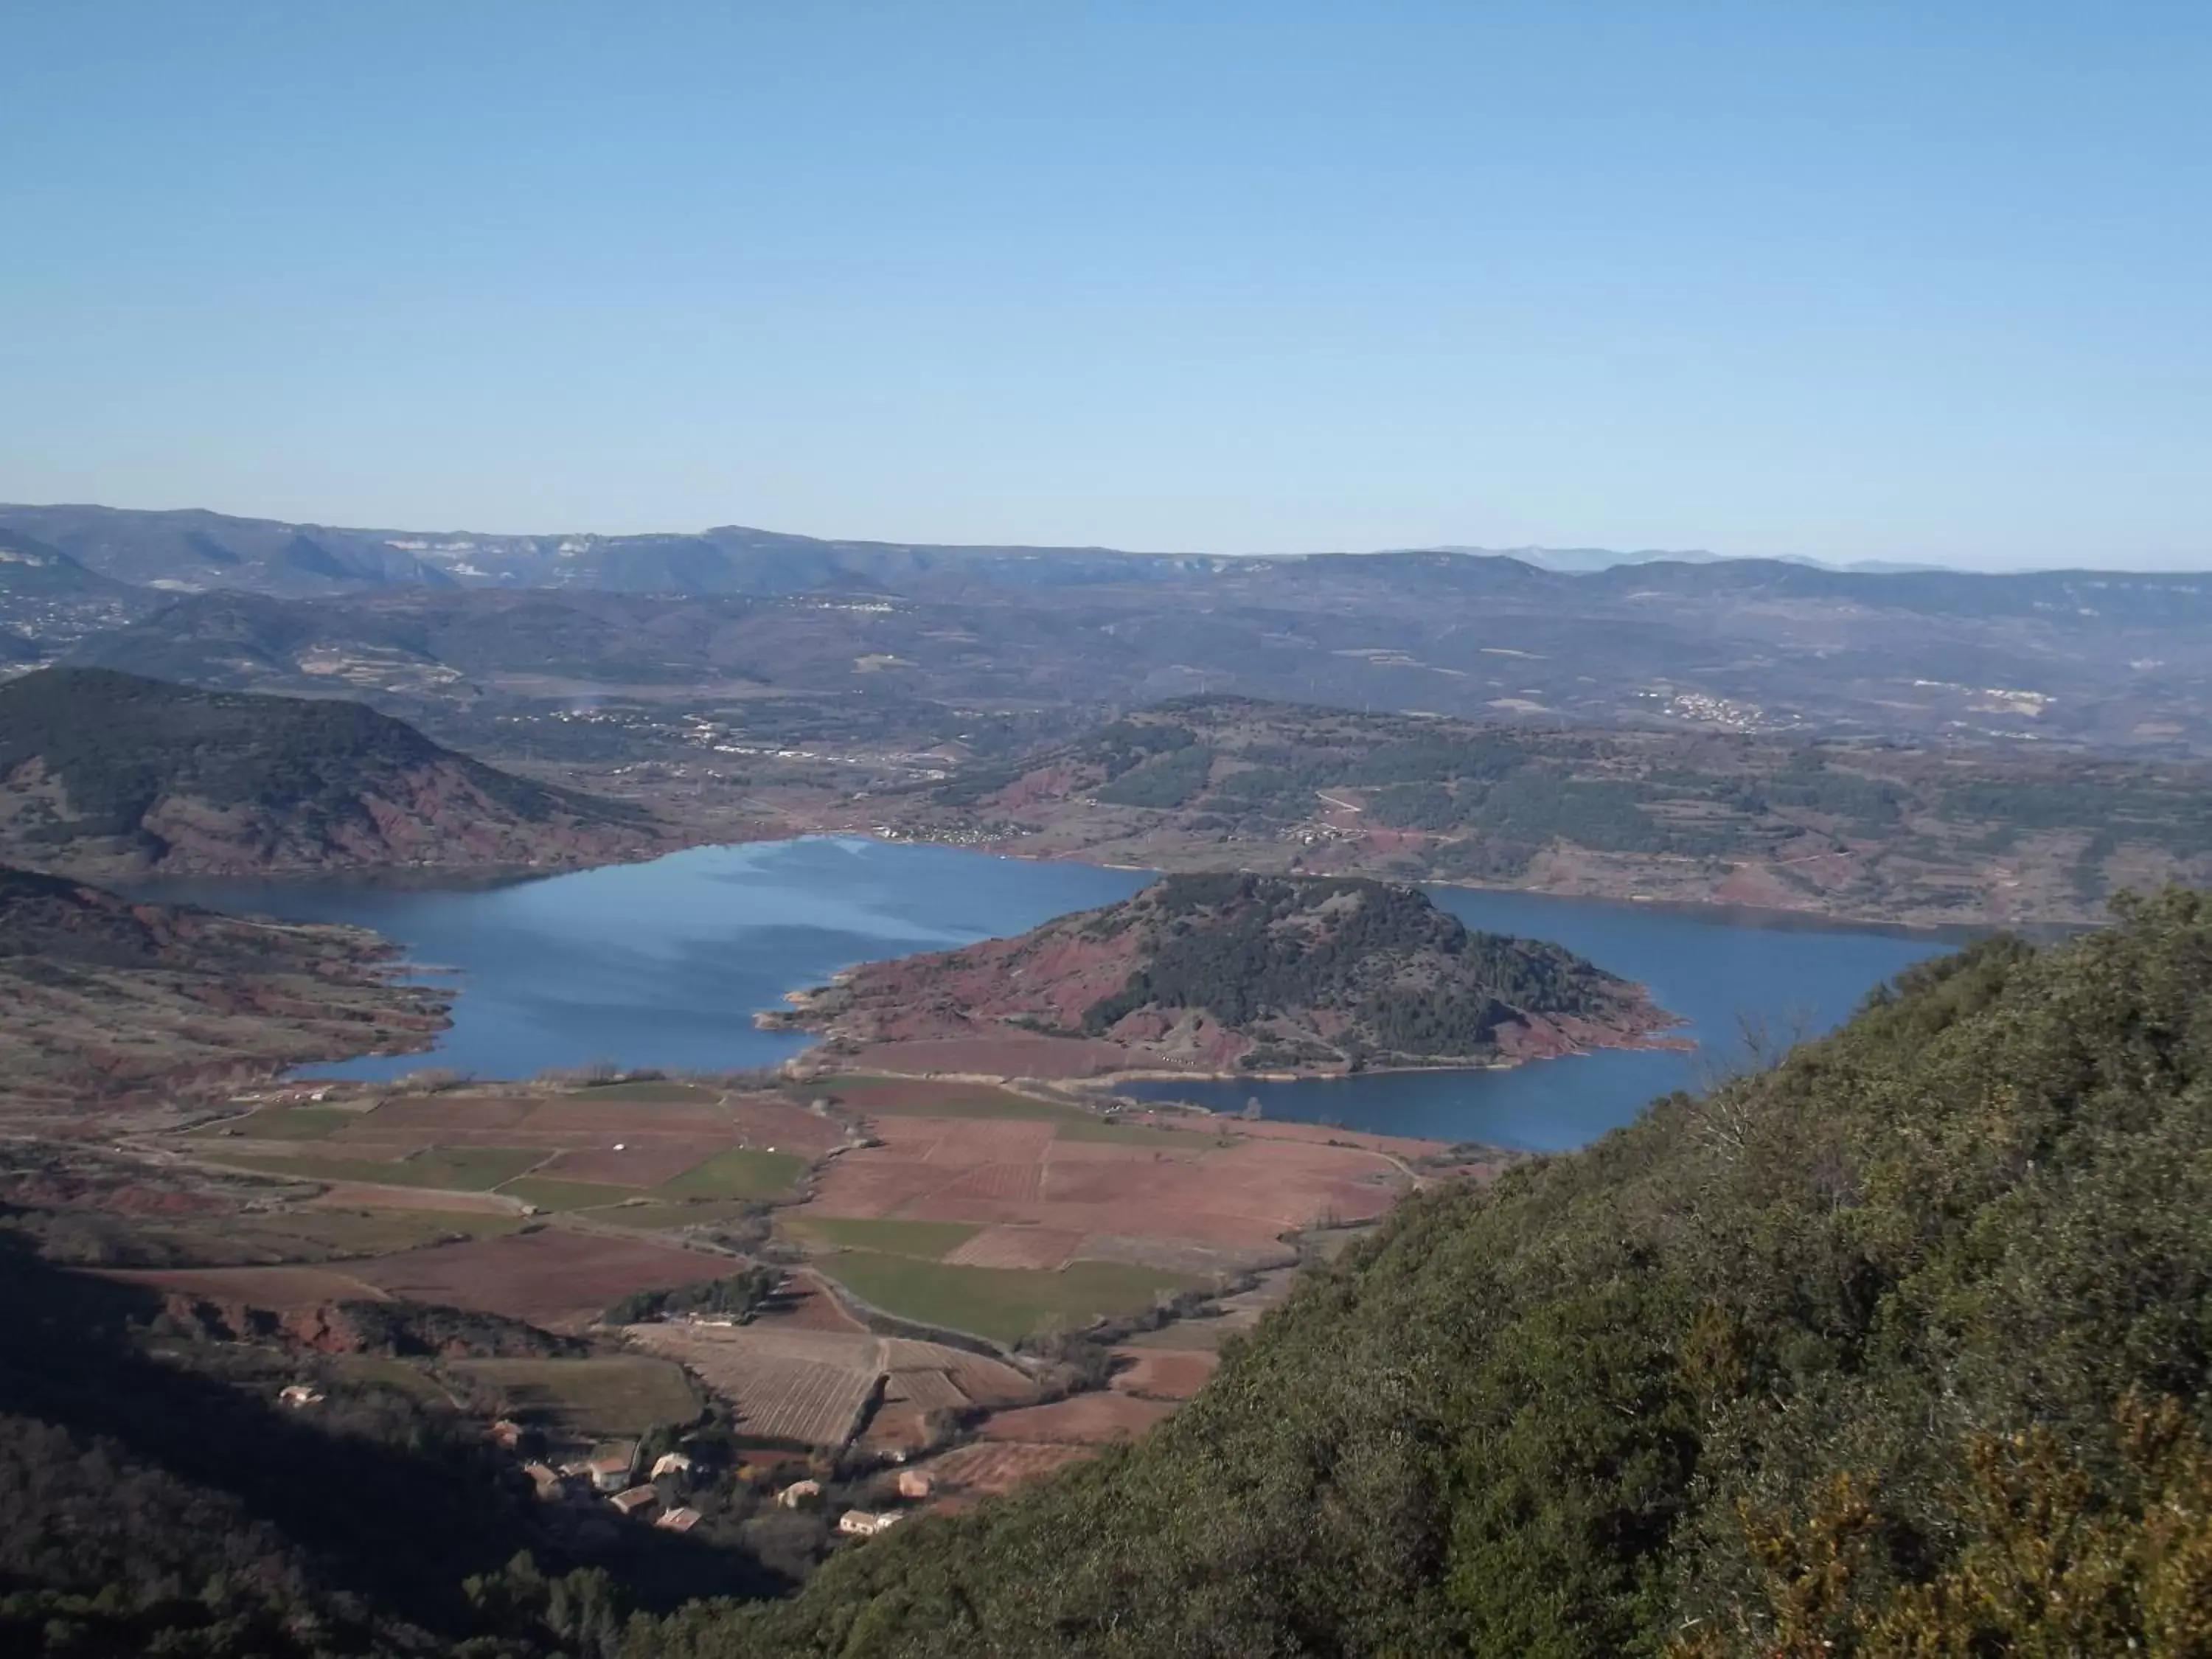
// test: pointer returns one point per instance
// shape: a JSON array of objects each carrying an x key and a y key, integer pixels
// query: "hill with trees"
[
  {"x": 1234, "y": 973},
  {"x": 1901, "y": 1345},
  {"x": 105, "y": 774},
  {"x": 1868, "y": 830}
]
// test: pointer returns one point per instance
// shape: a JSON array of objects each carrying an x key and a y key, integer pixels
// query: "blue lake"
[
  {"x": 664, "y": 964},
  {"x": 1724, "y": 971}
]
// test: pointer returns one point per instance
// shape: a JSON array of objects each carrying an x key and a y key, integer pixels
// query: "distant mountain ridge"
[
  {"x": 108, "y": 774},
  {"x": 1586, "y": 561},
  {"x": 29, "y": 566},
  {"x": 194, "y": 549}
]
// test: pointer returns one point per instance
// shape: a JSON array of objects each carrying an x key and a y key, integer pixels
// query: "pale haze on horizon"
[{"x": 1869, "y": 281}]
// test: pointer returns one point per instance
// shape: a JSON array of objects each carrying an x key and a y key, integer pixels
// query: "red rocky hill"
[{"x": 1231, "y": 974}]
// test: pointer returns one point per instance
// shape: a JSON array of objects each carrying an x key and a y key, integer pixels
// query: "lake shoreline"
[{"x": 664, "y": 963}]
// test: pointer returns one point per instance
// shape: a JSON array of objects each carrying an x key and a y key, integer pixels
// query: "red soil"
[
  {"x": 926, "y": 1391},
  {"x": 553, "y": 1276},
  {"x": 1164, "y": 1373},
  {"x": 896, "y": 1427},
  {"x": 999, "y": 1054},
  {"x": 1243, "y": 1196},
  {"x": 986, "y": 1381},
  {"x": 1013, "y": 1182},
  {"x": 437, "y": 1114},
  {"x": 770, "y": 1121},
  {"x": 990, "y": 1467},
  {"x": 280, "y": 1288},
  {"x": 1081, "y": 1420},
  {"x": 806, "y": 1305},
  {"x": 620, "y": 1119}
]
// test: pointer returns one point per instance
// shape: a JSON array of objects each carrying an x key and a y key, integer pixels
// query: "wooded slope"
[{"x": 1898, "y": 1347}]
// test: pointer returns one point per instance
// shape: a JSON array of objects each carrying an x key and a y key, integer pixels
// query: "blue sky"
[{"x": 1848, "y": 280}]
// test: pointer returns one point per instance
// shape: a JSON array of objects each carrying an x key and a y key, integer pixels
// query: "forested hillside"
[
  {"x": 105, "y": 773},
  {"x": 1899, "y": 1347}
]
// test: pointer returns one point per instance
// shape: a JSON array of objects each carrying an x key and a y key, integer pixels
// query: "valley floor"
[{"x": 976, "y": 1285}]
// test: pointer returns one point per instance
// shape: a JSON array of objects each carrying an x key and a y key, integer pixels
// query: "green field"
[
  {"x": 394, "y": 1374},
  {"x": 1189, "y": 1335},
  {"x": 662, "y": 1093},
  {"x": 456, "y": 1169},
  {"x": 661, "y": 1214},
  {"x": 551, "y": 1192},
  {"x": 928, "y": 1240},
  {"x": 311, "y": 1236},
  {"x": 740, "y": 1172},
  {"x": 284, "y": 1123},
  {"x": 314, "y": 1234},
  {"x": 1002, "y": 1304},
  {"x": 623, "y": 1395}
]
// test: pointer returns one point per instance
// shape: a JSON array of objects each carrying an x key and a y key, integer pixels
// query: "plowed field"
[
  {"x": 989, "y": 1468},
  {"x": 553, "y": 1276},
  {"x": 1215, "y": 1187},
  {"x": 1017, "y": 1247},
  {"x": 781, "y": 1380},
  {"x": 1081, "y": 1420},
  {"x": 1162, "y": 1373}
]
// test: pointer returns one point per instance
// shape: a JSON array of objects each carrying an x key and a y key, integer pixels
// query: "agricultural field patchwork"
[
  {"x": 990, "y": 1468},
  {"x": 1081, "y": 1419},
  {"x": 669, "y": 1216},
  {"x": 1006, "y": 1304},
  {"x": 930, "y": 1240},
  {"x": 282, "y": 1123},
  {"x": 596, "y": 1396},
  {"x": 467, "y": 1168},
  {"x": 342, "y": 1233},
  {"x": 941, "y": 1205},
  {"x": 545, "y": 1192},
  {"x": 890, "y": 1096},
  {"x": 814, "y": 1388},
  {"x": 741, "y": 1172},
  {"x": 551, "y": 1276},
  {"x": 656, "y": 1092}
]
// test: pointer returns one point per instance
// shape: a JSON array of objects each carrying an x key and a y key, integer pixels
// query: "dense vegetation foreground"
[{"x": 1899, "y": 1347}]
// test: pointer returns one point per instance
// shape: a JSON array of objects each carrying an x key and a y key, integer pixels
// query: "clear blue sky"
[{"x": 1843, "y": 278}]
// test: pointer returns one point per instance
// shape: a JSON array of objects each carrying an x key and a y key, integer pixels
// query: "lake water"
[
  {"x": 1718, "y": 969},
  {"x": 664, "y": 964}
]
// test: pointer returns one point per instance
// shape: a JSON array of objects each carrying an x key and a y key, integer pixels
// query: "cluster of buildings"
[
  {"x": 614, "y": 1475},
  {"x": 913, "y": 1486},
  {"x": 614, "y": 1481}
]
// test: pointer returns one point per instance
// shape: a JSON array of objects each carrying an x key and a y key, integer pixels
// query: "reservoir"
[{"x": 664, "y": 964}]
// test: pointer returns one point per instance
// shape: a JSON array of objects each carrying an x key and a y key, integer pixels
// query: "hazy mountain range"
[
  {"x": 191, "y": 549},
  {"x": 425, "y": 624}
]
